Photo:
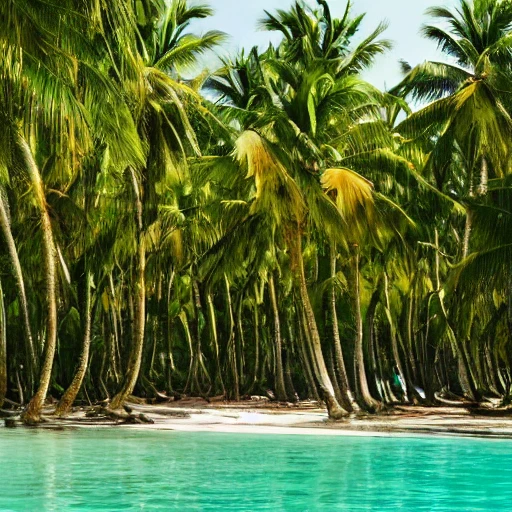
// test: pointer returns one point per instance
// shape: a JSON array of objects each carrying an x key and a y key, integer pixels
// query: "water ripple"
[{"x": 114, "y": 469}]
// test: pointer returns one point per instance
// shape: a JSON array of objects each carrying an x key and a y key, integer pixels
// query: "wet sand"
[{"x": 305, "y": 418}]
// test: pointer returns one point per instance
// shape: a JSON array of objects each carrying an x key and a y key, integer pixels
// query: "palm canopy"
[
  {"x": 477, "y": 39},
  {"x": 470, "y": 113},
  {"x": 313, "y": 34},
  {"x": 488, "y": 267},
  {"x": 167, "y": 43},
  {"x": 240, "y": 88},
  {"x": 473, "y": 122}
]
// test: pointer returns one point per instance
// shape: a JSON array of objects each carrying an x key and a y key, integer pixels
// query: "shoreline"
[{"x": 301, "y": 419}]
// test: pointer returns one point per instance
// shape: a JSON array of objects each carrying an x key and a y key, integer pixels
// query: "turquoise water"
[{"x": 116, "y": 469}]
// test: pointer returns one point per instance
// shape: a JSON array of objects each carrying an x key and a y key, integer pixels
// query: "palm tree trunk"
[
  {"x": 484, "y": 178},
  {"x": 3, "y": 348},
  {"x": 288, "y": 380},
  {"x": 334, "y": 379},
  {"x": 32, "y": 413},
  {"x": 467, "y": 233},
  {"x": 199, "y": 329},
  {"x": 71, "y": 393},
  {"x": 464, "y": 370},
  {"x": 5, "y": 227},
  {"x": 322, "y": 375},
  {"x": 231, "y": 344},
  {"x": 135, "y": 358},
  {"x": 394, "y": 342},
  {"x": 280, "y": 387},
  {"x": 371, "y": 342},
  {"x": 240, "y": 346},
  {"x": 114, "y": 345},
  {"x": 192, "y": 366},
  {"x": 171, "y": 368},
  {"x": 303, "y": 339},
  {"x": 256, "y": 339},
  {"x": 346, "y": 392},
  {"x": 215, "y": 340},
  {"x": 364, "y": 392}
]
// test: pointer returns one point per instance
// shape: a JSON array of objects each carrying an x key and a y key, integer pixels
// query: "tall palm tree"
[
  {"x": 52, "y": 82},
  {"x": 478, "y": 39},
  {"x": 164, "y": 126},
  {"x": 468, "y": 121}
]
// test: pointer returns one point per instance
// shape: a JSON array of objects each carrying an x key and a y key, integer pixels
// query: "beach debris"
[
  {"x": 11, "y": 422},
  {"x": 119, "y": 416}
]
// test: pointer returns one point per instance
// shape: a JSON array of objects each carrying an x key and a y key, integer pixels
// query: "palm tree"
[
  {"x": 3, "y": 348},
  {"x": 468, "y": 121},
  {"x": 479, "y": 42},
  {"x": 309, "y": 95},
  {"x": 51, "y": 81},
  {"x": 354, "y": 198},
  {"x": 5, "y": 225},
  {"x": 277, "y": 195},
  {"x": 164, "y": 126}
]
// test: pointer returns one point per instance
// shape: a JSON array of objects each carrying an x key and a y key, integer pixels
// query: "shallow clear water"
[{"x": 116, "y": 469}]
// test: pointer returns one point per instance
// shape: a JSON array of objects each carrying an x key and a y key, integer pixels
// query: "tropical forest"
[{"x": 177, "y": 220}]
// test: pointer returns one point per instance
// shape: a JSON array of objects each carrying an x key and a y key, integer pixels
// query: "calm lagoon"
[{"x": 124, "y": 469}]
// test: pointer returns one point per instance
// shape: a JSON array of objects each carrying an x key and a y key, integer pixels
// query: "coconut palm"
[
  {"x": 164, "y": 126},
  {"x": 51, "y": 81},
  {"x": 478, "y": 39},
  {"x": 468, "y": 121}
]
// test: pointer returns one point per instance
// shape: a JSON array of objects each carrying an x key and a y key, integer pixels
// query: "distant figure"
[
  {"x": 398, "y": 381},
  {"x": 399, "y": 385}
]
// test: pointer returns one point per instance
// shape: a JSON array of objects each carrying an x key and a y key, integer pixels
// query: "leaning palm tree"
[
  {"x": 353, "y": 195},
  {"x": 278, "y": 196},
  {"x": 65, "y": 77}
]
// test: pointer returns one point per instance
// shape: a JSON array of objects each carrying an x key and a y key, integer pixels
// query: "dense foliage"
[{"x": 278, "y": 223}]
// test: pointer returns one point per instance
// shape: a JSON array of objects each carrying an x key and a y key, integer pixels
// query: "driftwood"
[
  {"x": 160, "y": 396},
  {"x": 119, "y": 416},
  {"x": 218, "y": 398},
  {"x": 455, "y": 403}
]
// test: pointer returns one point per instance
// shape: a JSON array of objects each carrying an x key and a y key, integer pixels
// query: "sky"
[{"x": 239, "y": 19}]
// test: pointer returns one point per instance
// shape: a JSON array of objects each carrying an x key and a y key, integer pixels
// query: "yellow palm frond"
[
  {"x": 354, "y": 199},
  {"x": 350, "y": 190},
  {"x": 276, "y": 191}
]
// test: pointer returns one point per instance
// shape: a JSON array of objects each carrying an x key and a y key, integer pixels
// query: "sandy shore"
[{"x": 301, "y": 419}]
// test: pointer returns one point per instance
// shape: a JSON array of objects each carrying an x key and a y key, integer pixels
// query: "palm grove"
[{"x": 276, "y": 223}]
